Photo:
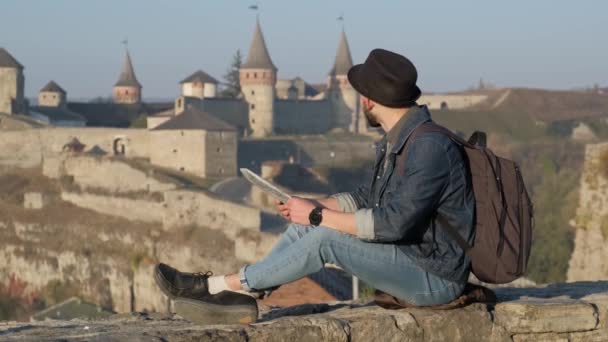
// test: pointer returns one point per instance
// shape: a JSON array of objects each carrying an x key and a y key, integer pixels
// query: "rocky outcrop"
[
  {"x": 561, "y": 312},
  {"x": 589, "y": 260}
]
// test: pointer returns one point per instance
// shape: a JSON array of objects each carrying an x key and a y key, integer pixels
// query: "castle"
[
  {"x": 202, "y": 132},
  {"x": 268, "y": 105}
]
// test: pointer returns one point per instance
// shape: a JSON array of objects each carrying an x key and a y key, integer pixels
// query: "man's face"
[{"x": 367, "y": 106}]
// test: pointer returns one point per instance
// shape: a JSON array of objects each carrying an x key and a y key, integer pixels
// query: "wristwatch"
[{"x": 316, "y": 216}]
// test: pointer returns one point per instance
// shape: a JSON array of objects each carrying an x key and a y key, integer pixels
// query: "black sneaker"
[
  {"x": 226, "y": 307},
  {"x": 174, "y": 283}
]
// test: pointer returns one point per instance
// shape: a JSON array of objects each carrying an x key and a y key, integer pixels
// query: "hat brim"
[{"x": 357, "y": 80}]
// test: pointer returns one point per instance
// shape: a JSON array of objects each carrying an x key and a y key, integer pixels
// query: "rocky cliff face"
[
  {"x": 589, "y": 259},
  {"x": 560, "y": 312},
  {"x": 104, "y": 259}
]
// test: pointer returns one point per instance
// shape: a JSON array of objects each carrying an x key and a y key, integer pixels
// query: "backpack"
[{"x": 504, "y": 211}]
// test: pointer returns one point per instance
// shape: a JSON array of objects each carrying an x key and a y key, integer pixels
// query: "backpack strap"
[{"x": 429, "y": 127}]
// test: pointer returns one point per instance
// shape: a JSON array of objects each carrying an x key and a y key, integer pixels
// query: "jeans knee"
[
  {"x": 324, "y": 235},
  {"x": 297, "y": 229}
]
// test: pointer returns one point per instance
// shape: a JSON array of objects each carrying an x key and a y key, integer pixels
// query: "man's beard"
[{"x": 371, "y": 119}]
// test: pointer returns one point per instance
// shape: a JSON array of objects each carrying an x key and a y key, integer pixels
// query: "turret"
[
  {"x": 127, "y": 89},
  {"x": 12, "y": 82},
  {"x": 200, "y": 85},
  {"x": 344, "y": 98},
  {"x": 258, "y": 76},
  {"x": 52, "y": 95}
]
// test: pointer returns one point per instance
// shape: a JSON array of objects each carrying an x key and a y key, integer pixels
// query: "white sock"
[{"x": 217, "y": 284}]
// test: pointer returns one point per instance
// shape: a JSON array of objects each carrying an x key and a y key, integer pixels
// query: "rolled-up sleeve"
[
  {"x": 425, "y": 178},
  {"x": 346, "y": 202}
]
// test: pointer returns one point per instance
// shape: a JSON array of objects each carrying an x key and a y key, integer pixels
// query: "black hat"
[{"x": 387, "y": 78}]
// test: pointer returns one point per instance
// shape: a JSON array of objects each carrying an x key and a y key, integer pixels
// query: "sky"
[{"x": 556, "y": 44}]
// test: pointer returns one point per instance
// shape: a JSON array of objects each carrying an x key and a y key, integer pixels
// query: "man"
[{"x": 385, "y": 233}]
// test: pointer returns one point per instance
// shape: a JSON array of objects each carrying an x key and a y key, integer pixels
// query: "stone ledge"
[{"x": 560, "y": 312}]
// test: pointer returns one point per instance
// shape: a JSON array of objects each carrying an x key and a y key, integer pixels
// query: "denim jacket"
[{"x": 401, "y": 202}]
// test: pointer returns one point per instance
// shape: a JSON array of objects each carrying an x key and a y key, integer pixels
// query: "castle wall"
[
  {"x": 589, "y": 260},
  {"x": 11, "y": 90},
  {"x": 128, "y": 208},
  {"x": 187, "y": 208},
  {"x": 221, "y": 153},
  {"x": 27, "y": 148},
  {"x": 111, "y": 175},
  {"x": 307, "y": 150},
  {"x": 452, "y": 101},
  {"x": 182, "y": 150},
  {"x": 303, "y": 117}
]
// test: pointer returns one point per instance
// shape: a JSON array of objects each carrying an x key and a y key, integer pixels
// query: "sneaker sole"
[
  {"x": 162, "y": 283},
  {"x": 205, "y": 313}
]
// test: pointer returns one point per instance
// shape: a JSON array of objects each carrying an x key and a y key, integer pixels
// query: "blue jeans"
[{"x": 303, "y": 250}]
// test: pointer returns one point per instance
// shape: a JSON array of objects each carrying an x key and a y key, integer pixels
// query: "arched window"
[
  {"x": 255, "y": 75},
  {"x": 253, "y": 106},
  {"x": 126, "y": 92},
  {"x": 253, "y": 92}
]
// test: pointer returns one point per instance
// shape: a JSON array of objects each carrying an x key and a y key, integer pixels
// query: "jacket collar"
[{"x": 415, "y": 117}]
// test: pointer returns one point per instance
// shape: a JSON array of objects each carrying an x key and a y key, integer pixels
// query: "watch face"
[{"x": 315, "y": 217}]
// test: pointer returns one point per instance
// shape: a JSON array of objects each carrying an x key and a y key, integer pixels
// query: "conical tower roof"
[
  {"x": 8, "y": 61},
  {"x": 127, "y": 76},
  {"x": 258, "y": 56},
  {"x": 200, "y": 76},
  {"x": 53, "y": 88},
  {"x": 344, "y": 60}
]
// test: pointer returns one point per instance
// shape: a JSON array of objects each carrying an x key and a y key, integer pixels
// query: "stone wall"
[
  {"x": 306, "y": 150},
  {"x": 589, "y": 260},
  {"x": 452, "y": 101},
  {"x": 561, "y": 312},
  {"x": 112, "y": 175},
  {"x": 304, "y": 116},
  {"x": 27, "y": 148},
  {"x": 185, "y": 208},
  {"x": 128, "y": 208},
  {"x": 182, "y": 150},
  {"x": 11, "y": 91},
  {"x": 220, "y": 154}
]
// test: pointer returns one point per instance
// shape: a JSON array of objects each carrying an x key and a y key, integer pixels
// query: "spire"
[
  {"x": 258, "y": 56},
  {"x": 53, "y": 87},
  {"x": 343, "y": 61},
  {"x": 127, "y": 76},
  {"x": 8, "y": 61}
]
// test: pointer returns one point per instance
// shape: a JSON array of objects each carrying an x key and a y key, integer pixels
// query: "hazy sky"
[{"x": 454, "y": 43}]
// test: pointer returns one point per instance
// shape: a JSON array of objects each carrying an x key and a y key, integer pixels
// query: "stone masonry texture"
[{"x": 557, "y": 312}]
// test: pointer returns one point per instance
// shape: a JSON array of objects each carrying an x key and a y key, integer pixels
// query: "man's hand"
[
  {"x": 283, "y": 209},
  {"x": 299, "y": 210}
]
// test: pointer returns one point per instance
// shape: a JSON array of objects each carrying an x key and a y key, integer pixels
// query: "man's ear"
[{"x": 367, "y": 103}]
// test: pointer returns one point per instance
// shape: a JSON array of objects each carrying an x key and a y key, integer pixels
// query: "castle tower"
[
  {"x": 12, "y": 82},
  {"x": 258, "y": 76},
  {"x": 344, "y": 98},
  {"x": 200, "y": 85},
  {"x": 127, "y": 90},
  {"x": 52, "y": 95}
]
